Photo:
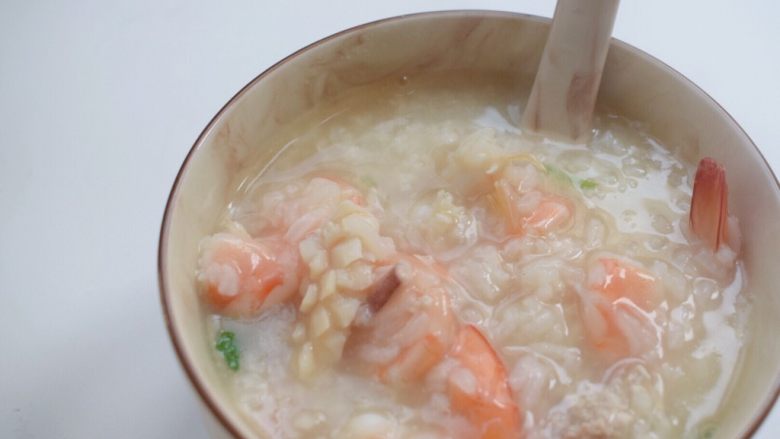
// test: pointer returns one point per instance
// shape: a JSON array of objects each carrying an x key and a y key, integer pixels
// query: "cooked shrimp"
[
  {"x": 614, "y": 308},
  {"x": 478, "y": 388},
  {"x": 616, "y": 279},
  {"x": 709, "y": 204},
  {"x": 414, "y": 329},
  {"x": 241, "y": 275},
  {"x": 528, "y": 209}
]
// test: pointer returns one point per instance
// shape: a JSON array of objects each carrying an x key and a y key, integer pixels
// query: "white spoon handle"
[{"x": 567, "y": 82}]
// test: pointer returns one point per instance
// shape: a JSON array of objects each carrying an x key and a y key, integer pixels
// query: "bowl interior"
[{"x": 634, "y": 85}]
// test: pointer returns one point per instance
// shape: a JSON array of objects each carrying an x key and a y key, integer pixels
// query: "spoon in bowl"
[{"x": 564, "y": 92}]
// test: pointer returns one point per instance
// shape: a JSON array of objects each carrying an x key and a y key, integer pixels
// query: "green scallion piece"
[{"x": 226, "y": 344}]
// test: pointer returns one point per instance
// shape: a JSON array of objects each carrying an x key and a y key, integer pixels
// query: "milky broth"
[{"x": 423, "y": 153}]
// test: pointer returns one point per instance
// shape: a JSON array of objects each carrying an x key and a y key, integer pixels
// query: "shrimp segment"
[
  {"x": 478, "y": 387},
  {"x": 412, "y": 331},
  {"x": 415, "y": 331},
  {"x": 527, "y": 209},
  {"x": 551, "y": 213},
  {"x": 709, "y": 204},
  {"x": 613, "y": 308},
  {"x": 615, "y": 278},
  {"x": 239, "y": 274}
]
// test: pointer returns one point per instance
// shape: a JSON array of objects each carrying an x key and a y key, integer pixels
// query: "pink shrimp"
[
  {"x": 709, "y": 204},
  {"x": 242, "y": 275},
  {"x": 415, "y": 331},
  {"x": 527, "y": 209},
  {"x": 614, "y": 308},
  {"x": 478, "y": 388}
]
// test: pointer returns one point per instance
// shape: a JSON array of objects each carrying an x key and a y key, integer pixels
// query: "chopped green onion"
[
  {"x": 561, "y": 176},
  {"x": 226, "y": 343}
]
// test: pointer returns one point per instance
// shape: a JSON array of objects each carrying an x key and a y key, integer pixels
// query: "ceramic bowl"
[{"x": 634, "y": 85}]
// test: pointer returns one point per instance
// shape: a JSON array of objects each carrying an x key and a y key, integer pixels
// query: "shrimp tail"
[
  {"x": 478, "y": 388},
  {"x": 709, "y": 204}
]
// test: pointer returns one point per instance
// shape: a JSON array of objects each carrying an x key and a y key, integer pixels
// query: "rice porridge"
[{"x": 411, "y": 264}]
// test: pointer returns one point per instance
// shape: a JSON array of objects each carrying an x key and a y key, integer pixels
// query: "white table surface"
[{"x": 99, "y": 103}]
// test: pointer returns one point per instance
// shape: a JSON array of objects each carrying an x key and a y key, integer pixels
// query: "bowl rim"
[{"x": 201, "y": 388}]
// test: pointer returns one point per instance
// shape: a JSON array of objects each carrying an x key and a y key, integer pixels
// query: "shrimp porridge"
[{"x": 411, "y": 264}]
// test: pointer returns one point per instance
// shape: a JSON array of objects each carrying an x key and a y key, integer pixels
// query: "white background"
[{"x": 99, "y": 103}]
